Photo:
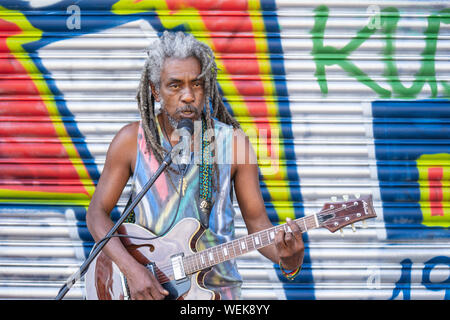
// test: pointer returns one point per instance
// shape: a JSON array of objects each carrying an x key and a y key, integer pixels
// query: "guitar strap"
[
  {"x": 205, "y": 178},
  {"x": 132, "y": 217}
]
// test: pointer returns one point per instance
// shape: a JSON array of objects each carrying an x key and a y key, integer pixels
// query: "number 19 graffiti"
[{"x": 404, "y": 282}]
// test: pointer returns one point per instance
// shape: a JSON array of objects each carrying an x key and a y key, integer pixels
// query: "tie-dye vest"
[{"x": 158, "y": 207}]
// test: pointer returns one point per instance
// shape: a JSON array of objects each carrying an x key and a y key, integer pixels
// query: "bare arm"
[
  {"x": 119, "y": 165},
  {"x": 288, "y": 247}
]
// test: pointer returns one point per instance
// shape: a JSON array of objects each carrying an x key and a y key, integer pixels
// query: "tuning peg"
[
  {"x": 334, "y": 198},
  {"x": 364, "y": 224},
  {"x": 357, "y": 195},
  {"x": 342, "y": 232},
  {"x": 353, "y": 228},
  {"x": 345, "y": 197}
]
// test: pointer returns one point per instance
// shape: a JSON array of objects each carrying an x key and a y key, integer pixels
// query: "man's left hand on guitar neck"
[{"x": 290, "y": 246}]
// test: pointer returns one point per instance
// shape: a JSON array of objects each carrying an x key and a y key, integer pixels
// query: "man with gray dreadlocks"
[{"x": 179, "y": 81}]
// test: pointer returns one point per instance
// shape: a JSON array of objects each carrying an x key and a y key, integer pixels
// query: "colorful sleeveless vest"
[{"x": 158, "y": 208}]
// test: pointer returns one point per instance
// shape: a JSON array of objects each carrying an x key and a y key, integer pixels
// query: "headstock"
[{"x": 336, "y": 215}]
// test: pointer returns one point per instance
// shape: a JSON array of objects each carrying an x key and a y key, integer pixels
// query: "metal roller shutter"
[{"x": 354, "y": 95}]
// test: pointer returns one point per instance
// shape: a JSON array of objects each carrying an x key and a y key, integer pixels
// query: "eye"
[
  {"x": 174, "y": 85},
  {"x": 198, "y": 84}
]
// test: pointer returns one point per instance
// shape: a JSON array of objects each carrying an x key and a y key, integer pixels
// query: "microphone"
[
  {"x": 186, "y": 124},
  {"x": 181, "y": 152}
]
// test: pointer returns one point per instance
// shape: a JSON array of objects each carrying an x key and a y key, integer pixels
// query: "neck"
[
  {"x": 166, "y": 128},
  {"x": 230, "y": 250}
]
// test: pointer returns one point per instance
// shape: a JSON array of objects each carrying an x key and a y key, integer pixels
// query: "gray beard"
[{"x": 172, "y": 121}]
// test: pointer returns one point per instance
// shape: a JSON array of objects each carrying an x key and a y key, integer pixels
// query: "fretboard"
[{"x": 230, "y": 250}]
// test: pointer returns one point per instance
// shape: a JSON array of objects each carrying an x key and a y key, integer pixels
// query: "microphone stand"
[{"x": 80, "y": 273}]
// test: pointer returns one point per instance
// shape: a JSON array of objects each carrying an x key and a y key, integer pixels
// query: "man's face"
[{"x": 181, "y": 93}]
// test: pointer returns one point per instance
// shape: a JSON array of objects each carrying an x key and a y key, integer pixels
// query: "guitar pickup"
[{"x": 178, "y": 267}]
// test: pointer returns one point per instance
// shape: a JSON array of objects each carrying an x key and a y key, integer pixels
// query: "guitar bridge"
[{"x": 178, "y": 267}]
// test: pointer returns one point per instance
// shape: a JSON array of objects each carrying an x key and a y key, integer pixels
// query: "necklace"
[{"x": 205, "y": 174}]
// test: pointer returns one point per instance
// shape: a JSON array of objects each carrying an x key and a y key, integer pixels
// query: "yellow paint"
[{"x": 424, "y": 163}]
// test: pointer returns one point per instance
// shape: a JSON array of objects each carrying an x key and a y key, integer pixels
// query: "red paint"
[
  {"x": 436, "y": 194},
  {"x": 24, "y": 143}
]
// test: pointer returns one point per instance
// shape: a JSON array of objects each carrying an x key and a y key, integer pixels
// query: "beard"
[{"x": 178, "y": 113}]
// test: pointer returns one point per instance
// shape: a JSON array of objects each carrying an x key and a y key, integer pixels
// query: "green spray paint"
[{"x": 389, "y": 17}]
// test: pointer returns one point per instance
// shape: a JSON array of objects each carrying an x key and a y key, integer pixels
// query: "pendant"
[
  {"x": 183, "y": 188},
  {"x": 205, "y": 206}
]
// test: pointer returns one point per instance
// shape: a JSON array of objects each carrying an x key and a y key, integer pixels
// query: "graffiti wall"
[{"x": 353, "y": 97}]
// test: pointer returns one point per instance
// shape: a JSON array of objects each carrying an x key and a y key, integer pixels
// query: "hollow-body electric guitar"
[{"x": 175, "y": 263}]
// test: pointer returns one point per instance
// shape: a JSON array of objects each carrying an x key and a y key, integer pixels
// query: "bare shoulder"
[
  {"x": 123, "y": 146},
  {"x": 125, "y": 136},
  {"x": 129, "y": 131},
  {"x": 243, "y": 152}
]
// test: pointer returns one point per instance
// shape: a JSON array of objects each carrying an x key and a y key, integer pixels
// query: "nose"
[{"x": 188, "y": 95}]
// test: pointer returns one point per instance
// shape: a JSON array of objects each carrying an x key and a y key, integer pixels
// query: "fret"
[
  {"x": 222, "y": 250},
  {"x": 250, "y": 243},
  {"x": 214, "y": 250},
  {"x": 316, "y": 221},
  {"x": 225, "y": 252},
  {"x": 227, "y": 248},
  {"x": 219, "y": 254},
  {"x": 243, "y": 245},
  {"x": 202, "y": 258},
  {"x": 232, "y": 249},
  {"x": 256, "y": 240},
  {"x": 188, "y": 264},
  {"x": 197, "y": 262},
  {"x": 272, "y": 235},
  {"x": 210, "y": 255},
  {"x": 267, "y": 239},
  {"x": 214, "y": 254}
]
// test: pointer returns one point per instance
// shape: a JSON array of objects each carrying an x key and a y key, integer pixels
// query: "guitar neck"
[{"x": 230, "y": 250}]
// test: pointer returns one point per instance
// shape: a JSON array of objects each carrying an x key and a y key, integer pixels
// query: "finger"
[
  {"x": 158, "y": 292},
  {"x": 161, "y": 289},
  {"x": 140, "y": 296},
  {"x": 294, "y": 227},
  {"x": 280, "y": 244},
  {"x": 289, "y": 238}
]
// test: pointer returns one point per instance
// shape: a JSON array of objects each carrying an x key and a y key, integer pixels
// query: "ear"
[{"x": 155, "y": 92}]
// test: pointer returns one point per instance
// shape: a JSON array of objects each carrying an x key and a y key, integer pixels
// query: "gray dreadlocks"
[{"x": 178, "y": 45}]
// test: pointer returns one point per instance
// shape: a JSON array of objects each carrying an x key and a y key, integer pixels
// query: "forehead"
[{"x": 180, "y": 69}]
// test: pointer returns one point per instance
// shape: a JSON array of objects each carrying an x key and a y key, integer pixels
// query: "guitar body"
[{"x": 104, "y": 281}]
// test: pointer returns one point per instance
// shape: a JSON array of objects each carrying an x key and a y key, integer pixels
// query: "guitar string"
[
  {"x": 166, "y": 269},
  {"x": 164, "y": 273}
]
